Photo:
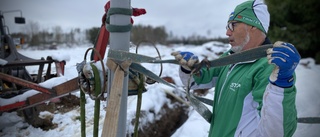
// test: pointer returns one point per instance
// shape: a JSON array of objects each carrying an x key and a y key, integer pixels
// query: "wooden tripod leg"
[{"x": 110, "y": 125}]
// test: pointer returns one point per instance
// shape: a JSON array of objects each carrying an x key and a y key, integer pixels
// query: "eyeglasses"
[{"x": 230, "y": 25}]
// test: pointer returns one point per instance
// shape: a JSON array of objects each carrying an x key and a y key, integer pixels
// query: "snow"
[{"x": 68, "y": 125}]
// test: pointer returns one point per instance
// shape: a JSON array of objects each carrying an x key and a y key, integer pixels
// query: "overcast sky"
[{"x": 181, "y": 17}]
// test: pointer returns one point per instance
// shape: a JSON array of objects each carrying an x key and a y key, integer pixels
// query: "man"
[{"x": 253, "y": 98}]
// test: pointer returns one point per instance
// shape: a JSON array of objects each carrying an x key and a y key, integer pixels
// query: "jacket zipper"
[{"x": 225, "y": 80}]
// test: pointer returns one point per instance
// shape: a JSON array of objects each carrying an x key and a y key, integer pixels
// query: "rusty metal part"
[
  {"x": 26, "y": 83},
  {"x": 59, "y": 90}
]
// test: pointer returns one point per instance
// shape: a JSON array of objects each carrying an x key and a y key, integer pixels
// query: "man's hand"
[
  {"x": 286, "y": 58},
  {"x": 187, "y": 60}
]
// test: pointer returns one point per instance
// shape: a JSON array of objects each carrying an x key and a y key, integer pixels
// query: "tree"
[
  {"x": 57, "y": 31},
  {"x": 92, "y": 34},
  {"x": 140, "y": 33},
  {"x": 70, "y": 37},
  {"x": 296, "y": 22},
  {"x": 33, "y": 30}
]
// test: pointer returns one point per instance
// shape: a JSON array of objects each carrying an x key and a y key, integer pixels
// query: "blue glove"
[
  {"x": 286, "y": 58},
  {"x": 187, "y": 60}
]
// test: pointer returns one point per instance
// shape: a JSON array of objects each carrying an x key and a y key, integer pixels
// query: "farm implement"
[{"x": 16, "y": 80}]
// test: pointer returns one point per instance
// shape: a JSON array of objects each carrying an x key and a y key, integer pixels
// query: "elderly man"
[{"x": 253, "y": 98}]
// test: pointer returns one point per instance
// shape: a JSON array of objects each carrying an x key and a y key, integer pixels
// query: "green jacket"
[{"x": 245, "y": 103}]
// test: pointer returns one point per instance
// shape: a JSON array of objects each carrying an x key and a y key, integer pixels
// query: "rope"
[
  {"x": 123, "y": 11},
  {"x": 148, "y": 80},
  {"x": 141, "y": 88},
  {"x": 97, "y": 91},
  {"x": 83, "y": 113},
  {"x": 309, "y": 120},
  {"x": 196, "y": 104},
  {"x": 118, "y": 28},
  {"x": 139, "y": 102},
  {"x": 99, "y": 96}
]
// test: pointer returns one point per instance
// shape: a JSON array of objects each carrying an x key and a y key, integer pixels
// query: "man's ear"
[{"x": 254, "y": 28}]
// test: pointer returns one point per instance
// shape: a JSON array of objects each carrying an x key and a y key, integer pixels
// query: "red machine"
[{"x": 15, "y": 78}]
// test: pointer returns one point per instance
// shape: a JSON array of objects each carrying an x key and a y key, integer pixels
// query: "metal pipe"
[
  {"x": 13, "y": 11},
  {"x": 120, "y": 41},
  {"x": 2, "y": 20}
]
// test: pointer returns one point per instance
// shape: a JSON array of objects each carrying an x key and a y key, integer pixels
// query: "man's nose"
[{"x": 228, "y": 32}]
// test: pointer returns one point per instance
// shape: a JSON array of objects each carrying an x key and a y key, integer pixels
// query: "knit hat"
[{"x": 254, "y": 13}]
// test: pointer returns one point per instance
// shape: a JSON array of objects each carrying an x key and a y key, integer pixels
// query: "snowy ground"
[{"x": 308, "y": 95}]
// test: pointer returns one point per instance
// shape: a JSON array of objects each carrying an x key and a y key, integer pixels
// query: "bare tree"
[
  {"x": 71, "y": 36},
  {"x": 33, "y": 28},
  {"x": 57, "y": 31}
]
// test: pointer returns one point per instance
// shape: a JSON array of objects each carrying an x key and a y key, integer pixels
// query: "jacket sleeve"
[
  {"x": 205, "y": 80},
  {"x": 278, "y": 113}
]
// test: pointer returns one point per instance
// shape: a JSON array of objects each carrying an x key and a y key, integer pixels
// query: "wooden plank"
[
  {"x": 110, "y": 125},
  {"x": 38, "y": 98},
  {"x": 26, "y": 83},
  {"x": 67, "y": 87},
  {"x": 61, "y": 90}
]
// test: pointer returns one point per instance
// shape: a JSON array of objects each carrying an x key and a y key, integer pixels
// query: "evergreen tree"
[
  {"x": 296, "y": 22},
  {"x": 92, "y": 34}
]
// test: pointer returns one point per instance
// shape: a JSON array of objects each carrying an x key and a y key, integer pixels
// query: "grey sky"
[{"x": 181, "y": 17}]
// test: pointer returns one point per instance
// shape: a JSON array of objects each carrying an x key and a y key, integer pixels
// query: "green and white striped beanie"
[{"x": 252, "y": 12}]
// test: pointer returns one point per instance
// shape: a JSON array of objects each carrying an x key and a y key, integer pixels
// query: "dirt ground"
[
  {"x": 171, "y": 120},
  {"x": 65, "y": 104}
]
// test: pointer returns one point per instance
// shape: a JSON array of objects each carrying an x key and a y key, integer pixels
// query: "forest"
[{"x": 291, "y": 21}]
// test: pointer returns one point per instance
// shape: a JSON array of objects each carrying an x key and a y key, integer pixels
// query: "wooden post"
[{"x": 110, "y": 126}]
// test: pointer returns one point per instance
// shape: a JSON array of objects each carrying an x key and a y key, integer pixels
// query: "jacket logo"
[{"x": 234, "y": 86}]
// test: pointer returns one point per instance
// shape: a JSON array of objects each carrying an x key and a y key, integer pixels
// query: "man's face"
[{"x": 238, "y": 35}]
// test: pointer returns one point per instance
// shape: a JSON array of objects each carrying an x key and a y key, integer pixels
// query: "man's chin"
[{"x": 236, "y": 49}]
